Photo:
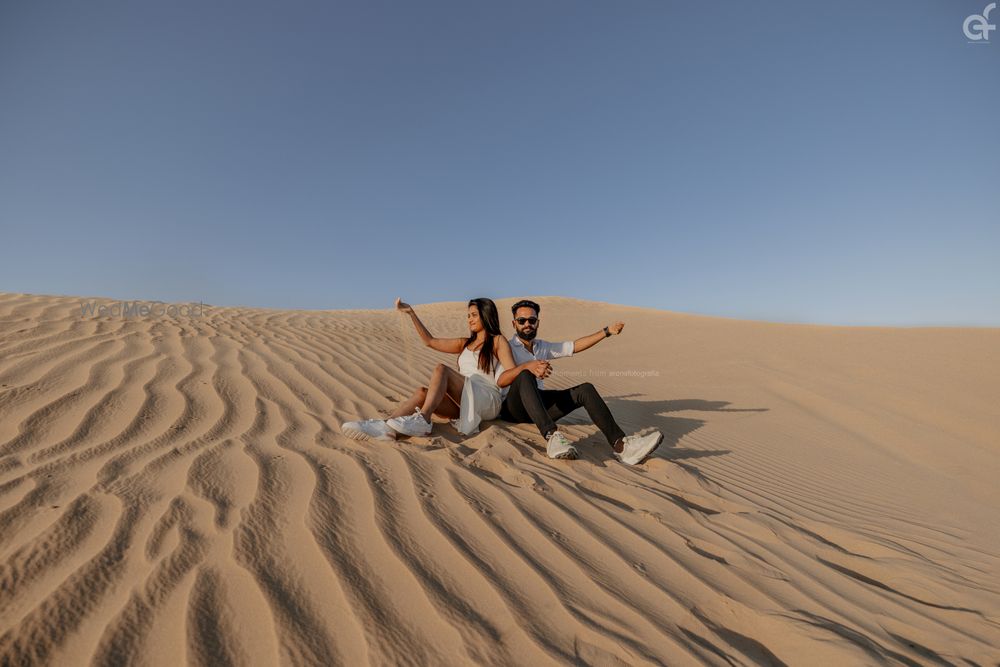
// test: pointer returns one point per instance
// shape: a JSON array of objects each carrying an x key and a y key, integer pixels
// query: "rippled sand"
[{"x": 177, "y": 490}]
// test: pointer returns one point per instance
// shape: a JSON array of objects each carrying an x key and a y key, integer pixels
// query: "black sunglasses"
[{"x": 530, "y": 320}]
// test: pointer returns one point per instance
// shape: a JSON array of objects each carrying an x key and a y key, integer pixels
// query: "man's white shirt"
[{"x": 542, "y": 350}]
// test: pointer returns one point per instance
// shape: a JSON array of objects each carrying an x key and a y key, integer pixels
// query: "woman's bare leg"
[
  {"x": 446, "y": 383},
  {"x": 449, "y": 408},
  {"x": 407, "y": 407}
]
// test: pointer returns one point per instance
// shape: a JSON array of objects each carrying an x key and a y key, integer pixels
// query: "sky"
[{"x": 833, "y": 163}]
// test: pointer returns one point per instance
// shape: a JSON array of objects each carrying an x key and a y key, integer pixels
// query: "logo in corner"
[{"x": 977, "y": 26}]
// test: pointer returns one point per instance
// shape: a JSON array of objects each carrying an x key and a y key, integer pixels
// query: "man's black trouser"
[{"x": 525, "y": 403}]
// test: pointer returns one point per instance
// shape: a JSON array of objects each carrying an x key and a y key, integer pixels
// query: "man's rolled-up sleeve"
[{"x": 564, "y": 349}]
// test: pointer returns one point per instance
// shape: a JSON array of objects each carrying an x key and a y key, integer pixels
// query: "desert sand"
[{"x": 176, "y": 490}]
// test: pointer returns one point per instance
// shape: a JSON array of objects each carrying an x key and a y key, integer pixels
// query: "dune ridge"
[{"x": 177, "y": 490}]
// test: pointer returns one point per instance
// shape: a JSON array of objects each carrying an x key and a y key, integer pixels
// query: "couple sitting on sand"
[{"x": 501, "y": 378}]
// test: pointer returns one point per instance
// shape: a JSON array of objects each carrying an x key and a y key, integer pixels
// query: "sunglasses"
[{"x": 529, "y": 320}]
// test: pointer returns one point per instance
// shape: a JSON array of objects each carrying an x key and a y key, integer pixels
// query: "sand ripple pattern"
[{"x": 177, "y": 491}]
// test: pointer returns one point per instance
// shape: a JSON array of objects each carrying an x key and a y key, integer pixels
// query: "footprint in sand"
[
  {"x": 733, "y": 558},
  {"x": 610, "y": 494},
  {"x": 484, "y": 460},
  {"x": 628, "y": 502}
]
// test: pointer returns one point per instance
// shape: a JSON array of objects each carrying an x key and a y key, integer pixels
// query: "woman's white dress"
[{"x": 480, "y": 395}]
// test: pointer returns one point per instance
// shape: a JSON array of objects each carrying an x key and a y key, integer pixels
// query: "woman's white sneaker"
[
  {"x": 638, "y": 447},
  {"x": 368, "y": 429},
  {"x": 414, "y": 424},
  {"x": 559, "y": 447}
]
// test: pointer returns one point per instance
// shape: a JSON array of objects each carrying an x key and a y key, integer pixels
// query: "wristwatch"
[{"x": 607, "y": 333}]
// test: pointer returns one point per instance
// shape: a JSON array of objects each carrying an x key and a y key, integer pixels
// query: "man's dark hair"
[{"x": 525, "y": 303}]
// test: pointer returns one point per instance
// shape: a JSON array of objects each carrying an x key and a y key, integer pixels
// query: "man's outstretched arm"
[{"x": 581, "y": 344}]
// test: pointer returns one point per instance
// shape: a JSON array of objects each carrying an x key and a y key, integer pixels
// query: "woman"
[{"x": 466, "y": 396}]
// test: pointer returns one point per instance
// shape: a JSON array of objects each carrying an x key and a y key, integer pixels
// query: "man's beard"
[{"x": 527, "y": 335}]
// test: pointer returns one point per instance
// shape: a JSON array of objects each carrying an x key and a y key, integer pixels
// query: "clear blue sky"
[{"x": 820, "y": 162}]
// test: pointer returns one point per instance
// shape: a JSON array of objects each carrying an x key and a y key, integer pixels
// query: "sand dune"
[{"x": 176, "y": 490}]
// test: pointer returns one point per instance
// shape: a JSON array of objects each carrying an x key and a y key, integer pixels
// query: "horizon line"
[{"x": 513, "y": 298}]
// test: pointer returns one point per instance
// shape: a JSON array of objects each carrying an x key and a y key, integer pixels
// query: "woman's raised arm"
[{"x": 449, "y": 345}]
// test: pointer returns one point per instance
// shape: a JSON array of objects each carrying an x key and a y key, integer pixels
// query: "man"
[{"x": 526, "y": 399}]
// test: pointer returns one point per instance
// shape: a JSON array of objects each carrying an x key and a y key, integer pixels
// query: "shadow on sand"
[
  {"x": 630, "y": 412},
  {"x": 644, "y": 415}
]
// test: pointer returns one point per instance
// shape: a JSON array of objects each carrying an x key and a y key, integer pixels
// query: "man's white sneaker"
[
  {"x": 368, "y": 429},
  {"x": 560, "y": 448},
  {"x": 638, "y": 447},
  {"x": 414, "y": 424}
]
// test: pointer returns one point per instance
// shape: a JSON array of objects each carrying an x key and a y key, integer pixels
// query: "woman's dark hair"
[
  {"x": 525, "y": 303},
  {"x": 491, "y": 323}
]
